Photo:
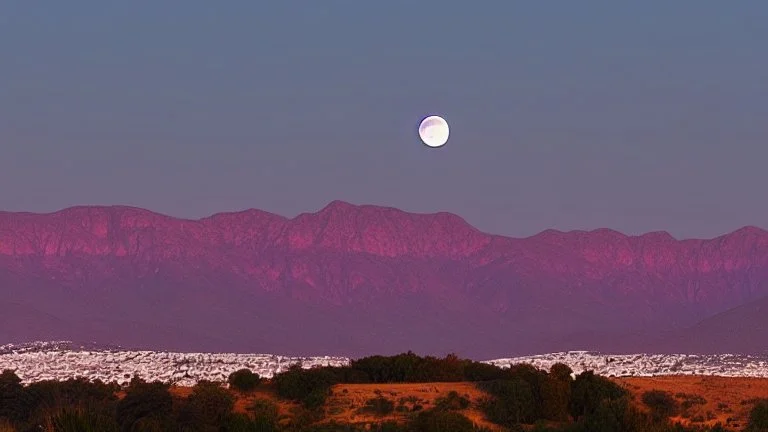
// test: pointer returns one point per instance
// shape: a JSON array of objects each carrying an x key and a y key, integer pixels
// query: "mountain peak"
[{"x": 338, "y": 205}]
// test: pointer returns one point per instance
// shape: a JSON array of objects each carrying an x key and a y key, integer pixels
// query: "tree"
[
  {"x": 561, "y": 372},
  {"x": 244, "y": 380},
  {"x": 555, "y": 396},
  {"x": 476, "y": 371},
  {"x": 513, "y": 402},
  {"x": 589, "y": 390}
]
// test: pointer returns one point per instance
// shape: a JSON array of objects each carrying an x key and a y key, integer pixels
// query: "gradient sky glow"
[{"x": 636, "y": 116}]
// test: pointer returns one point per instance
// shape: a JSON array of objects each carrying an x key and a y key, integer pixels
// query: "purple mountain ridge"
[{"x": 357, "y": 280}]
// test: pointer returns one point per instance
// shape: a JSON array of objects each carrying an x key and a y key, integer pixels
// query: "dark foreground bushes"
[
  {"x": 554, "y": 400},
  {"x": 244, "y": 380}
]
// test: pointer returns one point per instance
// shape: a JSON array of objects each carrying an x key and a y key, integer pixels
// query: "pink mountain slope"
[{"x": 353, "y": 280}]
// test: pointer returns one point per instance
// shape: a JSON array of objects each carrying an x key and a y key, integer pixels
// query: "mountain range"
[{"x": 354, "y": 280}]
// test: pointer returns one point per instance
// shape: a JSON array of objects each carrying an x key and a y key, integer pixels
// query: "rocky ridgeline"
[{"x": 38, "y": 361}]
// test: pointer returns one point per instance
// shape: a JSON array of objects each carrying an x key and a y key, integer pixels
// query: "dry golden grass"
[
  {"x": 724, "y": 398},
  {"x": 344, "y": 404},
  {"x": 243, "y": 401}
]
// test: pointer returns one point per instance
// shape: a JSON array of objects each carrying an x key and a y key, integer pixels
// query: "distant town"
[{"x": 61, "y": 360}]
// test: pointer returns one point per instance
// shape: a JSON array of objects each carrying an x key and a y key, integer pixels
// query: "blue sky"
[{"x": 636, "y": 116}]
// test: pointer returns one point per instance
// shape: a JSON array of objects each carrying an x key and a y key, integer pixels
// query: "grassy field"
[{"x": 704, "y": 399}]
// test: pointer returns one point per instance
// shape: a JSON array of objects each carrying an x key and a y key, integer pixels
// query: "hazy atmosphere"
[{"x": 563, "y": 115}]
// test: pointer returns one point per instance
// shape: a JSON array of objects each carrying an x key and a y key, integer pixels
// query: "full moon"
[{"x": 433, "y": 131}]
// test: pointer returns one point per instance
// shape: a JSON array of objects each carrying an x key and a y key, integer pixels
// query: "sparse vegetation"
[
  {"x": 543, "y": 401},
  {"x": 452, "y": 402},
  {"x": 243, "y": 380},
  {"x": 661, "y": 404},
  {"x": 379, "y": 406}
]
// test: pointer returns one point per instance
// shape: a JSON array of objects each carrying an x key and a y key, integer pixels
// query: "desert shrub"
[
  {"x": 49, "y": 394},
  {"x": 309, "y": 386},
  {"x": 144, "y": 405},
  {"x": 758, "y": 417},
  {"x": 206, "y": 408},
  {"x": 555, "y": 394},
  {"x": 561, "y": 372},
  {"x": 242, "y": 423},
  {"x": 452, "y": 402},
  {"x": 441, "y": 421},
  {"x": 661, "y": 404},
  {"x": 43, "y": 400},
  {"x": 265, "y": 414},
  {"x": 243, "y": 380},
  {"x": 537, "y": 380},
  {"x": 613, "y": 415},
  {"x": 690, "y": 401},
  {"x": 589, "y": 391},
  {"x": 78, "y": 419},
  {"x": 476, "y": 371},
  {"x": 11, "y": 392},
  {"x": 409, "y": 367},
  {"x": 379, "y": 406}
]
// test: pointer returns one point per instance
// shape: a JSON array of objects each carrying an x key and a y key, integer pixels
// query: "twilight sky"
[{"x": 569, "y": 115}]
